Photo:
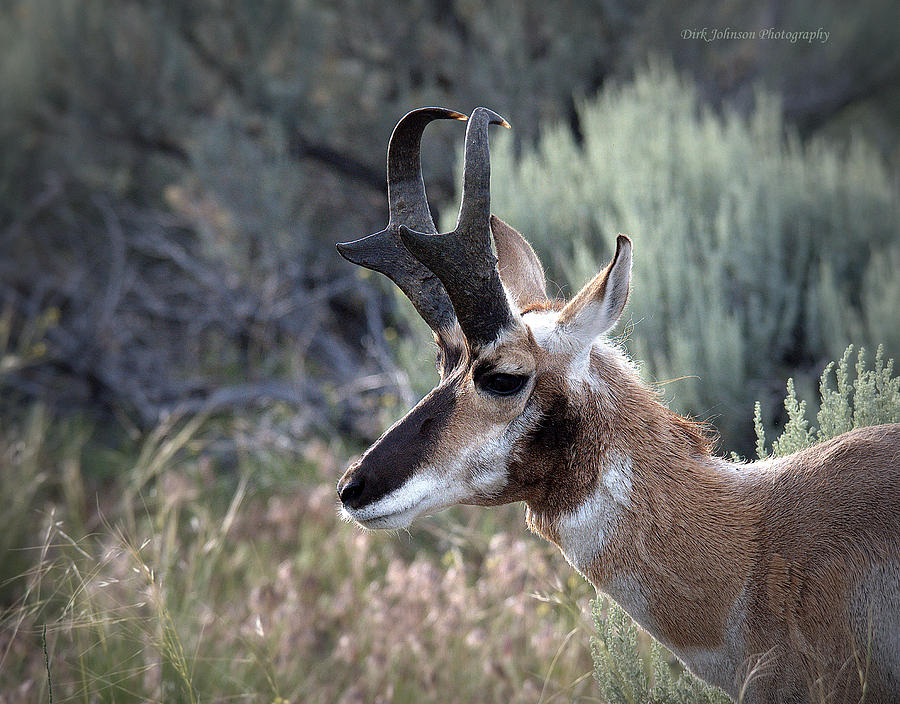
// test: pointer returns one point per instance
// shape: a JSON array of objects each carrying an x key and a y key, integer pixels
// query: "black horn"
[
  {"x": 384, "y": 251},
  {"x": 463, "y": 259}
]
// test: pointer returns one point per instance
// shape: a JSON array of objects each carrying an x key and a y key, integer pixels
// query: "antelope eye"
[{"x": 501, "y": 384}]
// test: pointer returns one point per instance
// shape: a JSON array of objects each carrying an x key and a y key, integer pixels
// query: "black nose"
[{"x": 351, "y": 492}]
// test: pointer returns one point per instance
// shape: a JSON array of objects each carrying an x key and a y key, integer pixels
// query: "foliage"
[
  {"x": 756, "y": 256},
  {"x": 175, "y": 580},
  {"x": 855, "y": 399},
  {"x": 175, "y": 173},
  {"x": 632, "y": 668},
  {"x": 173, "y": 177}
]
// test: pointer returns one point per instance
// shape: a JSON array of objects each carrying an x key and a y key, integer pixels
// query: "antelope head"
[{"x": 494, "y": 430}]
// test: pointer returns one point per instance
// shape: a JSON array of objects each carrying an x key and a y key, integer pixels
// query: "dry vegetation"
[{"x": 195, "y": 589}]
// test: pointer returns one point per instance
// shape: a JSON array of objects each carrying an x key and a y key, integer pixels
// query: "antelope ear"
[
  {"x": 599, "y": 304},
  {"x": 520, "y": 270}
]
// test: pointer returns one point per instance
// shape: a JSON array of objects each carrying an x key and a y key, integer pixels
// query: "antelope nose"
[{"x": 351, "y": 492}]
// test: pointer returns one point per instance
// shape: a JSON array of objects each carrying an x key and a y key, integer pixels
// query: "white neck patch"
[{"x": 584, "y": 531}]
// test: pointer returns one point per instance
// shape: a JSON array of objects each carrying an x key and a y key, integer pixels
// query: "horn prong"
[{"x": 384, "y": 251}]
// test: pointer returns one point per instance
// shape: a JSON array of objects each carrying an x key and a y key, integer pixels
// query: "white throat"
[{"x": 586, "y": 530}]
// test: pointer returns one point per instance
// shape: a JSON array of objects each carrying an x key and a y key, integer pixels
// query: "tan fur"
[
  {"x": 595, "y": 292},
  {"x": 773, "y": 580},
  {"x": 519, "y": 267}
]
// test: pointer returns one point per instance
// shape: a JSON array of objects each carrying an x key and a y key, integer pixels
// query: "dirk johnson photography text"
[{"x": 708, "y": 34}]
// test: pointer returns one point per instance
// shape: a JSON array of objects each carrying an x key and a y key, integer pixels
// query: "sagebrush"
[{"x": 757, "y": 256}]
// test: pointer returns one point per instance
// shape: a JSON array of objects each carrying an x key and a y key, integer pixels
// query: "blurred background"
[{"x": 186, "y": 364}]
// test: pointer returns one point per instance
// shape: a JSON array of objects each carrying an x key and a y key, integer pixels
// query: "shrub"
[
  {"x": 756, "y": 256},
  {"x": 855, "y": 399},
  {"x": 632, "y": 668}
]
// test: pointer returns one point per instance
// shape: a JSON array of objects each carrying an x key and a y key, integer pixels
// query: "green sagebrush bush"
[
  {"x": 625, "y": 668},
  {"x": 757, "y": 256},
  {"x": 854, "y": 399},
  {"x": 628, "y": 671}
]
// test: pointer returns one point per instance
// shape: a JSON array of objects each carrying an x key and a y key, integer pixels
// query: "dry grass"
[{"x": 176, "y": 584}]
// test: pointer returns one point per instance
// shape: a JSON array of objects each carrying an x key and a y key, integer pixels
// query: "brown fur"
[
  {"x": 518, "y": 265},
  {"x": 797, "y": 536},
  {"x": 663, "y": 448}
]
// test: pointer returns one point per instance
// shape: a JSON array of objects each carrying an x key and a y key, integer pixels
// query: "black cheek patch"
[
  {"x": 394, "y": 458},
  {"x": 554, "y": 432},
  {"x": 544, "y": 450}
]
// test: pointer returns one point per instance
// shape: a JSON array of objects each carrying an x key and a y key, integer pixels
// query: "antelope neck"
[{"x": 665, "y": 530}]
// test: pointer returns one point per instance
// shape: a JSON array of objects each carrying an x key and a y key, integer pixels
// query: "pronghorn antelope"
[{"x": 778, "y": 581}]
